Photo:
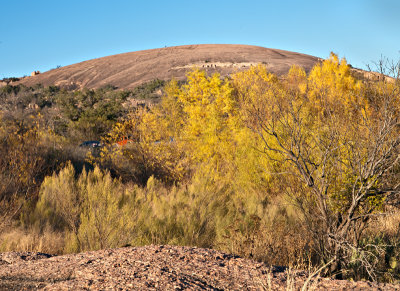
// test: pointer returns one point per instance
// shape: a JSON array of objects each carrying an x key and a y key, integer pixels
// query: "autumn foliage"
[{"x": 293, "y": 169}]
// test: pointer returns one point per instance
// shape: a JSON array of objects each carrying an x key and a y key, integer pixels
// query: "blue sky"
[{"x": 42, "y": 34}]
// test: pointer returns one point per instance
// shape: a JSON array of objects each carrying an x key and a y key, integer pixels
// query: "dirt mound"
[
  {"x": 156, "y": 268},
  {"x": 126, "y": 71}
]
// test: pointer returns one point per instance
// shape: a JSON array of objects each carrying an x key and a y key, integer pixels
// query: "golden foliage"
[{"x": 252, "y": 164}]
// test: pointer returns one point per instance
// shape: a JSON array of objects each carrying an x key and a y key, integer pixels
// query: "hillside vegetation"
[{"x": 298, "y": 170}]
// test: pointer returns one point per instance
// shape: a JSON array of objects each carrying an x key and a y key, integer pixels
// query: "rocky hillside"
[
  {"x": 157, "y": 268},
  {"x": 128, "y": 70}
]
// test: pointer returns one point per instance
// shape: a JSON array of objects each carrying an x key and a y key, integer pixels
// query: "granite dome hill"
[{"x": 128, "y": 70}]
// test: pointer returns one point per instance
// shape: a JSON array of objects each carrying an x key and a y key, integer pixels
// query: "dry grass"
[
  {"x": 388, "y": 224},
  {"x": 31, "y": 240}
]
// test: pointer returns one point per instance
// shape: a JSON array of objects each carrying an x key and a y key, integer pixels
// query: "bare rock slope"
[
  {"x": 156, "y": 268},
  {"x": 128, "y": 70}
]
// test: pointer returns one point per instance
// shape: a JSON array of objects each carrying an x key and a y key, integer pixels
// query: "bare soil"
[
  {"x": 128, "y": 70},
  {"x": 156, "y": 268}
]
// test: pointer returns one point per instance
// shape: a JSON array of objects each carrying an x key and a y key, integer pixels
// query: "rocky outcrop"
[{"x": 34, "y": 73}]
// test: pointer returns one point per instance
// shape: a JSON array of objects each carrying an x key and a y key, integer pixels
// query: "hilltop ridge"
[{"x": 128, "y": 70}]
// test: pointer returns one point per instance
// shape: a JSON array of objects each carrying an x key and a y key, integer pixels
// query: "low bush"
[{"x": 93, "y": 211}]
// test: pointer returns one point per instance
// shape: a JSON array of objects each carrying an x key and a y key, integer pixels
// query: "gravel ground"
[{"x": 155, "y": 268}]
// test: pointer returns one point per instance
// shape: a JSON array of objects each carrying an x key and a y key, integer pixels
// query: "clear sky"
[{"x": 42, "y": 34}]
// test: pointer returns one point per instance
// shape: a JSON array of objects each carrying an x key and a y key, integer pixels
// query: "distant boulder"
[{"x": 34, "y": 73}]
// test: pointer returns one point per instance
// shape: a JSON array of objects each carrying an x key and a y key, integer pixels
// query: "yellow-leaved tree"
[{"x": 327, "y": 133}]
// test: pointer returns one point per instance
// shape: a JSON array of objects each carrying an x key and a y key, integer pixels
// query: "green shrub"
[
  {"x": 148, "y": 90},
  {"x": 105, "y": 219},
  {"x": 60, "y": 200},
  {"x": 89, "y": 209}
]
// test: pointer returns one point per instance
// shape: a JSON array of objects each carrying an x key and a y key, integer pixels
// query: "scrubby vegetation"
[{"x": 298, "y": 170}]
